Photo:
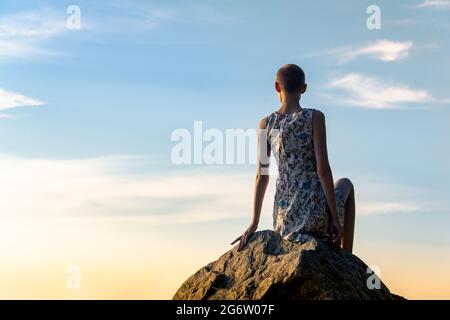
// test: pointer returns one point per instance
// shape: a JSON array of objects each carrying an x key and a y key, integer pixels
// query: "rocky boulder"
[{"x": 270, "y": 267}]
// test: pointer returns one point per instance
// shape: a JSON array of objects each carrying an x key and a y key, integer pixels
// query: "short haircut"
[{"x": 290, "y": 77}]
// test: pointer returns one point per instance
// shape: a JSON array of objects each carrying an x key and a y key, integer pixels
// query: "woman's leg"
[{"x": 346, "y": 188}]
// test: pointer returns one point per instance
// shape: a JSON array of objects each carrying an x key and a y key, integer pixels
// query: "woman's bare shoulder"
[
  {"x": 317, "y": 116},
  {"x": 264, "y": 121}
]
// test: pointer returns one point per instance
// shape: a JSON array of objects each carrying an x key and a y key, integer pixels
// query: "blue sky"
[{"x": 93, "y": 109}]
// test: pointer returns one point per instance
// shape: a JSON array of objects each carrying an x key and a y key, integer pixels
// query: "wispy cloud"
[
  {"x": 10, "y": 100},
  {"x": 367, "y": 92},
  {"x": 441, "y": 4},
  {"x": 100, "y": 189},
  {"x": 142, "y": 16},
  {"x": 24, "y": 34},
  {"x": 383, "y": 50},
  {"x": 375, "y": 208},
  {"x": 103, "y": 189},
  {"x": 6, "y": 116}
]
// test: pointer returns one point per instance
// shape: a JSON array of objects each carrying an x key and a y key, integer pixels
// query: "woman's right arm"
[{"x": 324, "y": 172}]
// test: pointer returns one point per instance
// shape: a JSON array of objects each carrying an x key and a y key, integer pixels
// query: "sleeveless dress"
[{"x": 300, "y": 208}]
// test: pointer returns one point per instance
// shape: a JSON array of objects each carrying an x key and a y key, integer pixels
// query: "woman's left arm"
[{"x": 261, "y": 182}]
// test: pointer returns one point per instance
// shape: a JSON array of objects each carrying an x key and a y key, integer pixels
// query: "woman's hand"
[
  {"x": 335, "y": 231},
  {"x": 245, "y": 236}
]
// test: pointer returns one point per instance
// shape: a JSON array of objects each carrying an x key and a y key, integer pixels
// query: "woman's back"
[{"x": 300, "y": 206}]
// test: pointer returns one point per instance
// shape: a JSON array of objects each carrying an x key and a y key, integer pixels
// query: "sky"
[{"x": 87, "y": 114}]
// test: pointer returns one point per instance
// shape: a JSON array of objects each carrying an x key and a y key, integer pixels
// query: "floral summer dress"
[{"x": 300, "y": 207}]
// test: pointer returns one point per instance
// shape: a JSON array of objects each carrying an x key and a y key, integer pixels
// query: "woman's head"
[{"x": 290, "y": 81}]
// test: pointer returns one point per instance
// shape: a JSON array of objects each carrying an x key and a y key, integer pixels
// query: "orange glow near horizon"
[{"x": 148, "y": 267}]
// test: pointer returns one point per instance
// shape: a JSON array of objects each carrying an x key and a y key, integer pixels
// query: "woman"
[{"x": 306, "y": 201}]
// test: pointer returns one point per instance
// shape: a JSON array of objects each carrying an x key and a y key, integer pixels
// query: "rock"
[{"x": 270, "y": 267}]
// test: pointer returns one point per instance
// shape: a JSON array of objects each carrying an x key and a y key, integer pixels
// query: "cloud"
[
  {"x": 141, "y": 16},
  {"x": 366, "y": 92},
  {"x": 384, "y": 50},
  {"x": 24, "y": 34},
  {"x": 10, "y": 100},
  {"x": 16, "y": 48},
  {"x": 442, "y": 4},
  {"x": 100, "y": 189},
  {"x": 108, "y": 189},
  {"x": 374, "y": 208}
]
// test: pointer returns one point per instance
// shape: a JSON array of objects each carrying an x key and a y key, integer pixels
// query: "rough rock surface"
[{"x": 270, "y": 267}]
